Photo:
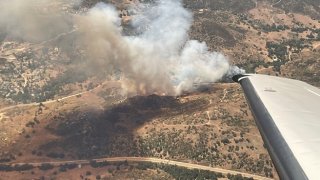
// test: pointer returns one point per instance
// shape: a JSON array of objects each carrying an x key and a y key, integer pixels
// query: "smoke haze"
[
  {"x": 33, "y": 20},
  {"x": 160, "y": 58}
]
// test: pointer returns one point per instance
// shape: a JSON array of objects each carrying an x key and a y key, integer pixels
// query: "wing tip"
[{"x": 238, "y": 77}]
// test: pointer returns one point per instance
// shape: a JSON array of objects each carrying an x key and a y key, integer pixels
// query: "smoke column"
[
  {"x": 34, "y": 20},
  {"x": 161, "y": 58}
]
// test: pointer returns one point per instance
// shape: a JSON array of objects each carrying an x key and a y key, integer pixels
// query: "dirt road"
[
  {"x": 46, "y": 102},
  {"x": 35, "y": 104},
  {"x": 153, "y": 160}
]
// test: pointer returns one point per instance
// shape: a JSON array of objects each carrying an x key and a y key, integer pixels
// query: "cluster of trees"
[
  {"x": 279, "y": 50},
  {"x": 296, "y": 43},
  {"x": 32, "y": 123},
  {"x": 65, "y": 167},
  {"x": 274, "y": 27},
  {"x": 52, "y": 88},
  {"x": 6, "y": 158},
  {"x": 317, "y": 31},
  {"x": 96, "y": 164},
  {"x": 222, "y": 152},
  {"x": 262, "y": 165},
  {"x": 236, "y": 121},
  {"x": 184, "y": 173},
  {"x": 46, "y": 166},
  {"x": 43, "y": 167},
  {"x": 299, "y": 29},
  {"x": 17, "y": 167},
  {"x": 55, "y": 86},
  {"x": 56, "y": 155},
  {"x": 314, "y": 34},
  {"x": 251, "y": 65}
]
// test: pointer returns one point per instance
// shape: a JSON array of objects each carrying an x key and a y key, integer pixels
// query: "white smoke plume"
[
  {"x": 159, "y": 59},
  {"x": 34, "y": 20}
]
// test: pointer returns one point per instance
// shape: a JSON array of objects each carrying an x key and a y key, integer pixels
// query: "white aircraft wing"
[{"x": 287, "y": 113}]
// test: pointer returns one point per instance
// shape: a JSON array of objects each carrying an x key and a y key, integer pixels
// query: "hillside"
[
  {"x": 212, "y": 128},
  {"x": 60, "y": 102}
]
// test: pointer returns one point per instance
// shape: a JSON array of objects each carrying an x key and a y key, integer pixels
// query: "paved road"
[{"x": 153, "y": 160}]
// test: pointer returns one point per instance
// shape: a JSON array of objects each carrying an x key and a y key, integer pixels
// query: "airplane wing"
[{"x": 287, "y": 113}]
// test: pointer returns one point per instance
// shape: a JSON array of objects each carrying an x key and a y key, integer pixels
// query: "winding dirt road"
[
  {"x": 153, "y": 160},
  {"x": 129, "y": 159},
  {"x": 46, "y": 102}
]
